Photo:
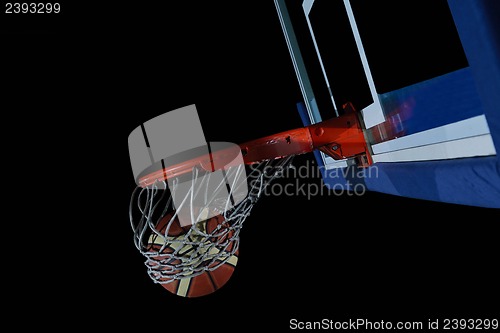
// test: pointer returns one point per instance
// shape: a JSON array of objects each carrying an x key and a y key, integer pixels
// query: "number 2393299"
[{"x": 32, "y": 8}]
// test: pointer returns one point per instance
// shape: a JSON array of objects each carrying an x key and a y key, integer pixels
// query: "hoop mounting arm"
[{"x": 340, "y": 138}]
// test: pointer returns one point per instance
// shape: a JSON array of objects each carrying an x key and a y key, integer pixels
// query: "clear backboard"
[{"x": 422, "y": 91}]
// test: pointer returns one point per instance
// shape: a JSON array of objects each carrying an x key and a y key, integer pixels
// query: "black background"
[{"x": 79, "y": 83}]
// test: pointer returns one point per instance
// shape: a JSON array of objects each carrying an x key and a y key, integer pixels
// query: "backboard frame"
[{"x": 471, "y": 139}]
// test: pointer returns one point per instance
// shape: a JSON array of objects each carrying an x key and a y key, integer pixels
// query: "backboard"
[{"x": 426, "y": 98}]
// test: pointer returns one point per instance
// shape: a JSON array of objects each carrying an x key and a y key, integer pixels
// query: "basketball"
[{"x": 164, "y": 266}]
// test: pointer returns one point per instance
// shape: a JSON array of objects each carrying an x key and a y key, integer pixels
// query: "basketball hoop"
[{"x": 187, "y": 222}]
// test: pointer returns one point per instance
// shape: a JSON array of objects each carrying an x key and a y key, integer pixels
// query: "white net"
[{"x": 174, "y": 250}]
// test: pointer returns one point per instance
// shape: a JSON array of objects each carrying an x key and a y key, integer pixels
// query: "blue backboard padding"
[
  {"x": 471, "y": 181},
  {"x": 436, "y": 102},
  {"x": 478, "y": 25},
  {"x": 468, "y": 181}
]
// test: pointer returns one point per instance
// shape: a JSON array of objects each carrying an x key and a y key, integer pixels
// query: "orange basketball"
[{"x": 209, "y": 280}]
